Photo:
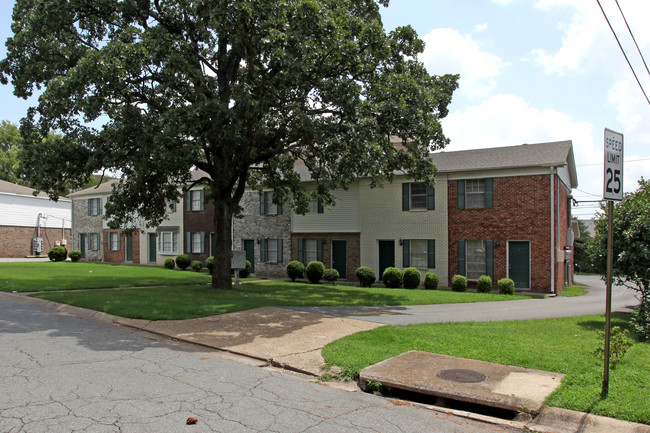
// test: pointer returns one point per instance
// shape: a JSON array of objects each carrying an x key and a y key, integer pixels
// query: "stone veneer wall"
[
  {"x": 253, "y": 226},
  {"x": 83, "y": 223}
]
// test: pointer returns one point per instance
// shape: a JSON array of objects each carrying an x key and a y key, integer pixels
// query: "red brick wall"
[
  {"x": 16, "y": 242},
  {"x": 353, "y": 249},
  {"x": 111, "y": 256},
  {"x": 521, "y": 212},
  {"x": 562, "y": 192},
  {"x": 198, "y": 221}
]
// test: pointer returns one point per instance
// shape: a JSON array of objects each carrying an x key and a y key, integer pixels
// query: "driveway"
[{"x": 623, "y": 300}]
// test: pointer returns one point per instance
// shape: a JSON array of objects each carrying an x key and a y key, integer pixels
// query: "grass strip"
[{"x": 562, "y": 345}]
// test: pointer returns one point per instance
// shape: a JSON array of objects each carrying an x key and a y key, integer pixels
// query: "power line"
[
  {"x": 623, "y": 51},
  {"x": 600, "y": 163},
  {"x": 633, "y": 38}
]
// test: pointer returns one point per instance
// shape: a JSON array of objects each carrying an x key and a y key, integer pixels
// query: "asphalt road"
[
  {"x": 61, "y": 373},
  {"x": 623, "y": 300}
]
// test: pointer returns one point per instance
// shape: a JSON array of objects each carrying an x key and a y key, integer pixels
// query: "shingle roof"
[
  {"x": 103, "y": 188},
  {"x": 12, "y": 188}
]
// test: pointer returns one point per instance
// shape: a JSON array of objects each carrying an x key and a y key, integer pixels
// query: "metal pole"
[{"x": 608, "y": 302}]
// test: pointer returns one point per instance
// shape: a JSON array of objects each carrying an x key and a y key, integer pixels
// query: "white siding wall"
[
  {"x": 173, "y": 219},
  {"x": 341, "y": 218},
  {"x": 382, "y": 218},
  {"x": 22, "y": 211}
]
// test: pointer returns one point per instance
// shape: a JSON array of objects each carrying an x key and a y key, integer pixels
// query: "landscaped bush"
[
  {"x": 412, "y": 278},
  {"x": 183, "y": 261},
  {"x": 314, "y": 271},
  {"x": 506, "y": 286},
  {"x": 366, "y": 276},
  {"x": 243, "y": 273},
  {"x": 331, "y": 275},
  {"x": 295, "y": 269},
  {"x": 393, "y": 278},
  {"x": 197, "y": 265},
  {"x": 57, "y": 254},
  {"x": 75, "y": 255},
  {"x": 458, "y": 283},
  {"x": 169, "y": 264},
  {"x": 484, "y": 284},
  {"x": 209, "y": 264},
  {"x": 431, "y": 281}
]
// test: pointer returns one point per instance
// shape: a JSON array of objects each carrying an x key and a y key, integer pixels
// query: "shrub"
[
  {"x": 169, "y": 264},
  {"x": 431, "y": 281},
  {"x": 641, "y": 319},
  {"x": 393, "y": 278},
  {"x": 209, "y": 264},
  {"x": 57, "y": 254},
  {"x": 331, "y": 275},
  {"x": 314, "y": 272},
  {"x": 412, "y": 278},
  {"x": 506, "y": 286},
  {"x": 75, "y": 255},
  {"x": 484, "y": 284},
  {"x": 366, "y": 276},
  {"x": 183, "y": 261},
  {"x": 243, "y": 273},
  {"x": 197, "y": 265},
  {"x": 295, "y": 269},
  {"x": 458, "y": 283}
]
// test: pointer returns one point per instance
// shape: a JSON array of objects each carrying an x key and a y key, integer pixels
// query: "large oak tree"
[{"x": 240, "y": 89}]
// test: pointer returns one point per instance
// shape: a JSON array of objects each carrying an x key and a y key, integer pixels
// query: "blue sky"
[{"x": 531, "y": 71}]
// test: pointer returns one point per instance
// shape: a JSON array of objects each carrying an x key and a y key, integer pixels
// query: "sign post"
[{"x": 612, "y": 191}]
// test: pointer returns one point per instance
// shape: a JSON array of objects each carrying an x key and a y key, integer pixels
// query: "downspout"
[
  {"x": 552, "y": 230},
  {"x": 557, "y": 227}
]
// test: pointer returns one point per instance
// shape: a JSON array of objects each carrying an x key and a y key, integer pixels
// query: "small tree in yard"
[
  {"x": 631, "y": 227},
  {"x": 239, "y": 89}
]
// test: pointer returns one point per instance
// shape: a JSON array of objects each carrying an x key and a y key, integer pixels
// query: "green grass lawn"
[
  {"x": 560, "y": 345},
  {"x": 184, "y": 302},
  {"x": 576, "y": 290},
  {"x": 41, "y": 276}
]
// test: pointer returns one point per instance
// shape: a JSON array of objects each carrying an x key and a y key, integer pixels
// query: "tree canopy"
[
  {"x": 239, "y": 89},
  {"x": 10, "y": 144}
]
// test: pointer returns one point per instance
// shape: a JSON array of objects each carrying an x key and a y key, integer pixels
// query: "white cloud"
[
  {"x": 449, "y": 52},
  {"x": 480, "y": 27}
]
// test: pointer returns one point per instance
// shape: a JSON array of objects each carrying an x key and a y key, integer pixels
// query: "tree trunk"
[{"x": 221, "y": 277}]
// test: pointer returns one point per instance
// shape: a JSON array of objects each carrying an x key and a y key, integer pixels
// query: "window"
[
  {"x": 195, "y": 199},
  {"x": 271, "y": 250},
  {"x": 476, "y": 258},
  {"x": 93, "y": 241},
  {"x": 196, "y": 242},
  {"x": 168, "y": 242},
  {"x": 311, "y": 250},
  {"x": 267, "y": 207},
  {"x": 417, "y": 196},
  {"x": 419, "y": 253},
  {"x": 172, "y": 207},
  {"x": 475, "y": 193},
  {"x": 316, "y": 206},
  {"x": 475, "y": 253},
  {"x": 114, "y": 241},
  {"x": 94, "y": 206}
]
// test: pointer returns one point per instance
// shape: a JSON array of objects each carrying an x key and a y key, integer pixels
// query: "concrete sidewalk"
[{"x": 294, "y": 339}]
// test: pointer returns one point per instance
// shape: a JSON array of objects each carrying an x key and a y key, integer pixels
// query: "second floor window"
[
  {"x": 475, "y": 193},
  {"x": 94, "y": 206},
  {"x": 418, "y": 196},
  {"x": 195, "y": 200},
  {"x": 267, "y": 207}
]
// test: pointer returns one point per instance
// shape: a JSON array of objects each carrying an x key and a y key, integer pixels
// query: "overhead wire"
[
  {"x": 633, "y": 38},
  {"x": 623, "y": 51}
]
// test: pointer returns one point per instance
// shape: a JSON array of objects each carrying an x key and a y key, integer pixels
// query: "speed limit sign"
[{"x": 613, "y": 181}]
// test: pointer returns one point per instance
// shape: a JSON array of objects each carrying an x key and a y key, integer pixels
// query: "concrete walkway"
[{"x": 623, "y": 300}]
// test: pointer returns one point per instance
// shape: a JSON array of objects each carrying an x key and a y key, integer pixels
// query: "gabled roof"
[
  {"x": 13, "y": 188},
  {"x": 103, "y": 188},
  {"x": 553, "y": 154}
]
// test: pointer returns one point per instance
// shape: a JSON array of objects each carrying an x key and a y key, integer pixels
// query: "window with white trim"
[
  {"x": 93, "y": 241},
  {"x": 172, "y": 206},
  {"x": 271, "y": 250},
  {"x": 197, "y": 242},
  {"x": 419, "y": 253},
  {"x": 168, "y": 242},
  {"x": 268, "y": 207},
  {"x": 114, "y": 241},
  {"x": 94, "y": 205},
  {"x": 475, "y": 259},
  {"x": 310, "y": 250},
  {"x": 418, "y": 195},
  {"x": 475, "y": 193},
  {"x": 196, "y": 200}
]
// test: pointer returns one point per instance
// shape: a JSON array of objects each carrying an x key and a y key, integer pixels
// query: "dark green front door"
[
  {"x": 82, "y": 245},
  {"x": 129, "y": 248},
  {"x": 386, "y": 256},
  {"x": 519, "y": 263},
  {"x": 339, "y": 260},
  {"x": 152, "y": 248},
  {"x": 249, "y": 247}
]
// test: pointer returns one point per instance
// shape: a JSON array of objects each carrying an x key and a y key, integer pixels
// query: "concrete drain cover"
[{"x": 462, "y": 376}]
